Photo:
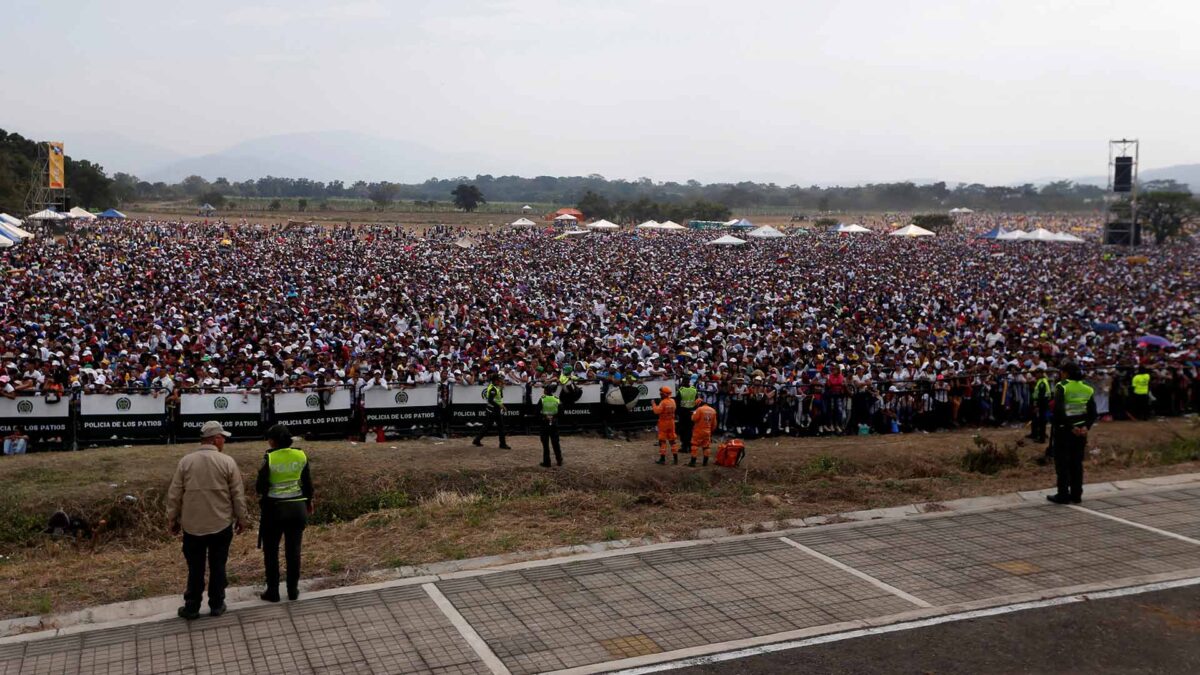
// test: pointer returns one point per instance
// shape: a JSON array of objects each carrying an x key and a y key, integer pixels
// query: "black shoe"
[
  {"x": 560, "y": 462},
  {"x": 293, "y": 593},
  {"x": 693, "y": 462},
  {"x": 505, "y": 447},
  {"x": 546, "y": 464},
  {"x": 270, "y": 596},
  {"x": 217, "y": 611},
  {"x": 1076, "y": 500},
  {"x": 1058, "y": 499},
  {"x": 662, "y": 459},
  {"x": 188, "y": 613},
  {"x": 477, "y": 443},
  {"x": 705, "y": 462}
]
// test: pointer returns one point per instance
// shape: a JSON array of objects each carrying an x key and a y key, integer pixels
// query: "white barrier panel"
[
  {"x": 401, "y": 407},
  {"x": 33, "y": 414},
  {"x": 239, "y": 414},
  {"x": 304, "y": 412},
  {"x": 133, "y": 416}
]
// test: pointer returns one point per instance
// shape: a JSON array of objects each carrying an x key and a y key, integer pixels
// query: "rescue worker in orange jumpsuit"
[
  {"x": 665, "y": 409},
  {"x": 704, "y": 423}
]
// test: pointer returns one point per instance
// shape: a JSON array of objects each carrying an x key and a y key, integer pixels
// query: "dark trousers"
[
  {"x": 550, "y": 436},
  {"x": 1038, "y": 428},
  {"x": 494, "y": 420},
  {"x": 1141, "y": 406},
  {"x": 282, "y": 520},
  {"x": 1068, "y": 463},
  {"x": 198, "y": 550},
  {"x": 683, "y": 429}
]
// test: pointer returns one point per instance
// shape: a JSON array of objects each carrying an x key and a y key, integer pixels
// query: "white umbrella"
[
  {"x": 912, "y": 231},
  {"x": 522, "y": 222},
  {"x": 649, "y": 225},
  {"x": 727, "y": 240},
  {"x": 46, "y": 214},
  {"x": 603, "y": 225},
  {"x": 766, "y": 232},
  {"x": 852, "y": 228}
]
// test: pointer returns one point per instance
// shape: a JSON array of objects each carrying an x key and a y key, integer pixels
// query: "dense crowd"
[{"x": 161, "y": 306}]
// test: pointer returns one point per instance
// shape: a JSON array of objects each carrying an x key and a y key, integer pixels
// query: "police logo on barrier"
[
  {"x": 401, "y": 397},
  {"x": 220, "y": 403},
  {"x": 642, "y": 390},
  {"x": 24, "y": 407},
  {"x": 124, "y": 403},
  {"x": 313, "y": 401}
]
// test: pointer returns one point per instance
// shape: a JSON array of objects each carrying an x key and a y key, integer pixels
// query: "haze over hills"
[{"x": 350, "y": 156}]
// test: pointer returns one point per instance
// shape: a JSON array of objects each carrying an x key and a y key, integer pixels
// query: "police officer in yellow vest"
[
  {"x": 1074, "y": 415},
  {"x": 549, "y": 407},
  {"x": 1141, "y": 394},
  {"x": 285, "y": 492},
  {"x": 687, "y": 396},
  {"x": 1041, "y": 406},
  {"x": 493, "y": 394}
]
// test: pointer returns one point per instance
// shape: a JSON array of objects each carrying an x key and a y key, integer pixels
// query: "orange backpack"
[{"x": 731, "y": 453}]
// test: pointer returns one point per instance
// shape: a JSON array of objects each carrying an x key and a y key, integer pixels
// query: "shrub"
[{"x": 987, "y": 458}]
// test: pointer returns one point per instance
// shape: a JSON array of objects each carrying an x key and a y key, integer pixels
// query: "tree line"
[{"x": 87, "y": 184}]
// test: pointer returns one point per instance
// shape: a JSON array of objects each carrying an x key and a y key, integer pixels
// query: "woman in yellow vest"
[
  {"x": 285, "y": 493},
  {"x": 1141, "y": 393}
]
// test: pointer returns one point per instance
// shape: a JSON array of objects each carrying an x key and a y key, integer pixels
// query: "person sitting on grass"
[{"x": 17, "y": 442}]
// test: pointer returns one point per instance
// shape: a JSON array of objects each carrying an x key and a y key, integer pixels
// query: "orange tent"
[{"x": 573, "y": 212}]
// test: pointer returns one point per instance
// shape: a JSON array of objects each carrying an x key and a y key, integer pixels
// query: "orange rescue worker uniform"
[
  {"x": 704, "y": 423},
  {"x": 665, "y": 409}
]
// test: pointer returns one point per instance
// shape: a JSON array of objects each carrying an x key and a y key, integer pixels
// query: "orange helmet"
[{"x": 665, "y": 391}]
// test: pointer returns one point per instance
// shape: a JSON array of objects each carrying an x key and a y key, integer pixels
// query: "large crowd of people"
[{"x": 164, "y": 306}]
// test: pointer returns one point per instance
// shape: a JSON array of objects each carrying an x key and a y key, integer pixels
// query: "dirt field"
[{"x": 389, "y": 505}]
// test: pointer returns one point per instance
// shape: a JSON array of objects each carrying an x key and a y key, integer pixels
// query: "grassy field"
[{"x": 385, "y": 506}]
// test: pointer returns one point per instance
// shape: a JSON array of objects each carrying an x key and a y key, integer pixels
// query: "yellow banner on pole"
[{"x": 58, "y": 177}]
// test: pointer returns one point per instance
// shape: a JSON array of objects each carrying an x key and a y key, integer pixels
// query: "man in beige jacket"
[{"x": 207, "y": 502}]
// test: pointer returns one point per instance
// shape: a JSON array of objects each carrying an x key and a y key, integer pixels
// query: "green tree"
[
  {"x": 274, "y": 205},
  {"x": 194, "y": 186},
  {"x": 382, "y": 193},
  {"x": 595, "y": 206},
  {"x": 1167, "y": 214},
  {"x": 213, "y": 198},
  {"x": 935, "y": 222},
  {"x": 302, "y": 205},
  {"x": 467, "y": 197}
]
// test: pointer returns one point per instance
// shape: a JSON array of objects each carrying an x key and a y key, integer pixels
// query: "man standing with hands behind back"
[
  {"x": 1074, "y": 415},
  {"x": 207, "y": 502}
]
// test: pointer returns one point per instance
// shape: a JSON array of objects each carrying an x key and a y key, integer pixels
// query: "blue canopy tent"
[
  {"x": 993, "y": 233},
  {"x": 742, "y": 224},
  {"x": 112, "y": 213}
]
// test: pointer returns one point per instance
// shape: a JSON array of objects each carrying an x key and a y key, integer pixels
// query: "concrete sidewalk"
[{"x": 639, "y": 606}]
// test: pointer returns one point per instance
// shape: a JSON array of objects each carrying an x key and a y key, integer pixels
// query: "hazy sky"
[{"x": 785, "y": 90}]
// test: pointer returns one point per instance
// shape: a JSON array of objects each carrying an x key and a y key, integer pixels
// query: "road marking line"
[
  {"x": 1148, "y": 528},
  {"x": 861, "y": 575},
  {"x": 477, "y": 643},
  {"x": 907, "y": 625}
]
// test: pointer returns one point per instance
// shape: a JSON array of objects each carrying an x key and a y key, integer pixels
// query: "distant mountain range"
[{"x": 350, "y": 156}]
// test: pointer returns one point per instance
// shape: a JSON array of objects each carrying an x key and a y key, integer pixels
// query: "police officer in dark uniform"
[
  {"x": 1074, "y": 415},
  {"x": 286, "y": 495},
  {"x": 1041, "y": 406},
  {"x": 494, "y": 395},
  {"x": 549, "y": 408}
]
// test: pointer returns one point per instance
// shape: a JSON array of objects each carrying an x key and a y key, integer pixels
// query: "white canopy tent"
[
  {"x": 766, "y": 232},
  {"x": 4, "y": 217},
  {"x": 526, "y": 209},
  {"x": 730, "y": 223},
  {"x": 961, "y": 209},
  {"x": 912, "y": 231},
  {"x": 1068, "y": 238},
  {"x": 727, "y": 240},
  {"x": 1013, "y": 235},
  {"x": 15, "y": 231},
  {"x": 522, "y": 222},
  {"x": 46, "y": 214},
  {"x": 5, "y": 242},
  {"x": 671, "y": 225},
  {"x": 82, "y": 214},
  {"x": 565, "y": 218},
  {"x": 466, "y": 242},
  {"x": 649, "y": 225},
  {"x": 852, "y": 228},
  {"x": 1041, "y": 234},
  {"x": 603, "y": 225}
]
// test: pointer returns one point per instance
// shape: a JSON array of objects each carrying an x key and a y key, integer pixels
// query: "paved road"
[
  {"x": 1144, "y": 634},
  {"x": 669, "y": 602}
]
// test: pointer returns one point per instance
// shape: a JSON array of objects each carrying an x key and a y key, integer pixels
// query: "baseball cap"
[{"x": 213, "y": 428}]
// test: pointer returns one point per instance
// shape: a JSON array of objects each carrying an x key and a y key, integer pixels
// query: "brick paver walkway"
[{"x": 544, "y": 617}]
